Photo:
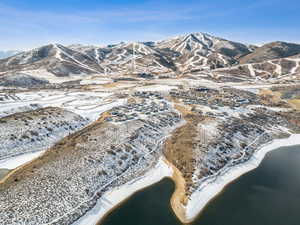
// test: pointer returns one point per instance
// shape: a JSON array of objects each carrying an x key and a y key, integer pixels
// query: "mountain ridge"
[{"x": 193, "y": 52}]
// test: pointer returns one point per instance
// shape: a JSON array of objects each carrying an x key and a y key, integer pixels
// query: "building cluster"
[
  {"x": 149, "y": 103},
  {"x": 236, "y": 140},
  {"x": 215, "y": 97}
]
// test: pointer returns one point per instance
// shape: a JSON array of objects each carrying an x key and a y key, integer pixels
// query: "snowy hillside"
[
  {"x": 36, "y": 130},
  {"x": 55, "y": 58},
  {"x": 276, "y": 68},
  {"x": 194, "y": 52}
]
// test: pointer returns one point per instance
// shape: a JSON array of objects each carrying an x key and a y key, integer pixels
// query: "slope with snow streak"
[
  {"x": 199, "y": 51},
  {"x": 61, "y": 51},
  {"x": 277, "y": 68},
  {"x": 297, "y": 67},
  {"x": 53, "y": 58}
]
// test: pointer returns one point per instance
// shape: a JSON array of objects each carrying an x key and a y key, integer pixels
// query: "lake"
[{"x": 268, "y": 195}]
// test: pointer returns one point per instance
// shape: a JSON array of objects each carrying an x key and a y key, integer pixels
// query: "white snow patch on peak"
[{"x": 138, "y": 47}]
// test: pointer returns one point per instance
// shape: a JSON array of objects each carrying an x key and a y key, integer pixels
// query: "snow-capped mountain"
[
  {"x": 204, "y": 44},
  {"x": 137, "y": 57},
  {"x": 199, "y": 50},
  {"x": 55, "y": 58},
  {"x": 179, "y": 55},
  {"x": 5, "y": 54}
]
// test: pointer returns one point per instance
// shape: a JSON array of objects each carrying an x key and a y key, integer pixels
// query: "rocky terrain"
[{"x": 103, "y": 117}]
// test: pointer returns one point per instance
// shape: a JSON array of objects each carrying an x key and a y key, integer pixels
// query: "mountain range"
[
  {"x": 191, "y": 53},
  {"x": 5, "y": 54}
]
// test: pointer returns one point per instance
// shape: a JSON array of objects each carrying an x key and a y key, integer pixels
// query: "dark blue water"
[{"x": 268, "y": 195}]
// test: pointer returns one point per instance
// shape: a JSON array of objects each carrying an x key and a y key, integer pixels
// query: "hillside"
[
  {"x": 267, "y": 69},
  {"x": 55, "y": 58},
  {"x": 273, "y": 50}
]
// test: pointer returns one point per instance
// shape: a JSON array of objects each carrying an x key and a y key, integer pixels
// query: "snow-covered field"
[
  {"x": 87, "y": 104},
  {"x": 160, "y": 88}
]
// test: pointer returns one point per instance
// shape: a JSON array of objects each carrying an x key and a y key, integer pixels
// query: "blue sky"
[{"x": 25, "y": 24}]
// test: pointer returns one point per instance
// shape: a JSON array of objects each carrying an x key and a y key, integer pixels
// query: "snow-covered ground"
[
  {"x": 44, "y": 74},
  {"x": 160, "y": 88},
  {"x": 95, "y": 80},
  {"x": 36, "y": 131},
  {"x": 275, "y": 109},
  {"x": 114, "y": 197},
  {"x": 14, "y": 162},
  {"x": 255, "y": 88},
  {"x": 85, "y": 103},
  {"x": 210, "y": 189}
]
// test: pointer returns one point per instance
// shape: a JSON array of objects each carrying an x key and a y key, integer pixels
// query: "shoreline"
[
  {"x": 210, "y": 189},
  {"x": 178, "y": 195},
  {"x": 114, "y": 198},
  {"x": 199, "y": 199}
]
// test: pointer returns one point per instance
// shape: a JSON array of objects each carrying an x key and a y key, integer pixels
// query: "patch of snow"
[
  {"x": 95, "y": 81},
  {"x": 251, "y": 69},
  {"x": 155, "y": 88},
  {"x": 85, "y": 103},
  {"x": 294, "y": 69},
  {"x": 60, "y": 51},
  {"x": 14, "y": 162},
  {"x": 278, "y": 69}
]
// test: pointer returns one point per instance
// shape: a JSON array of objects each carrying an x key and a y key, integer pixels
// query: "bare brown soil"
[
  {"x": 295, "y": 103},
  {"x": 109, "y": 85},
  {"x": 179, "y": 147},
  {"x": 3, "y": 173},
  {"x": 180, "y": 154},
  {"x": 269, "y": 96},
  {"x": 178, "y": 198}
]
